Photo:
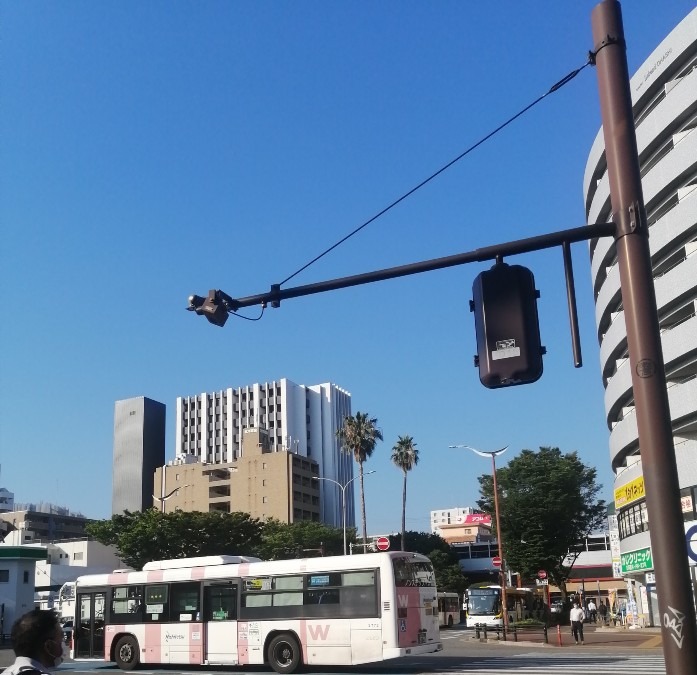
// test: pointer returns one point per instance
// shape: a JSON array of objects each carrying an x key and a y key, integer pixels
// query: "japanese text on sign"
[
  {"x": 630, "y": 492},
  {"x": 634, "y": 561}
]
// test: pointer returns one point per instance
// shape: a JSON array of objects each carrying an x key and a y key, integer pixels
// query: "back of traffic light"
[{"x": 504, "y": 303}]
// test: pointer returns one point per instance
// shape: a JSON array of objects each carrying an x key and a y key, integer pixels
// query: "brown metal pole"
[
  {"x": 499, "y": 536},
  {"x": 668, "y": 542}
]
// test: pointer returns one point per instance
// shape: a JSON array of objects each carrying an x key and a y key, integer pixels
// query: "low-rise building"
[
  {"x": 260, "y": 482},
  {"x": 17, "y": 582}
]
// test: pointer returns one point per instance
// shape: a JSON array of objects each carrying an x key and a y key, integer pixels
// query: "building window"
[
  {"x": 4, "y": 576},
  {"x": 25, "y": 577},
  {"x": 77, "y": 555},
  {"x": 263, "y": 482}
]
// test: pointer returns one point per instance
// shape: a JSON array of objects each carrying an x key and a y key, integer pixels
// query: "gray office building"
[{"x": 139, "y": 448}]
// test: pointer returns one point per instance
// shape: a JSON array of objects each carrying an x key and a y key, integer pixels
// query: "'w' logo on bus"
[
  {"x": 318, "y": 632},
  {"x": 403, "y": 600}
]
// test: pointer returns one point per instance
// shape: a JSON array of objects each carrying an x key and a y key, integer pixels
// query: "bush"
[{"x": 529, "y": 623}]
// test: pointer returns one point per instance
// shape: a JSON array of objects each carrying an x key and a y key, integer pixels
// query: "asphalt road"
[{"x": 606, "y": 652}]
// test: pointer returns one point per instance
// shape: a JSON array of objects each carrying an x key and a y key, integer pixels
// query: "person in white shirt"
[
  {"x": 37, "y": 641},
  {"x": 592, "y": 610},
  {"x": 577, "y": 616}
]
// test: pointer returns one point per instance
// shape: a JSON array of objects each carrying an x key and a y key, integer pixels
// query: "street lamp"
[
  {"x": 493, "y": 454},
  {"x": 343, "y": 487},
  {"x": 169, "y": 495}
]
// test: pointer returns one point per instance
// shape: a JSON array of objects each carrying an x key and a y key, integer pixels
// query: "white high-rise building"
[
  {"x": 299, "y": 419},
  {"x": 664, "y": 101}
]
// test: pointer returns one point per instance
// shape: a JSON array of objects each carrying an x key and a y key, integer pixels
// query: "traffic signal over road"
[{"x": 508, "y": 332}]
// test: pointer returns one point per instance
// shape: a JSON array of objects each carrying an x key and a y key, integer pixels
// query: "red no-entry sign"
[
  {"x": 542, "y": 574},
  {"x": 496, "y": 561},
  {"x": 382, "y": 543}
]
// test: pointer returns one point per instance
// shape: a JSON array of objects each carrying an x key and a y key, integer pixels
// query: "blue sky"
[{"x": 153, "y": 150}]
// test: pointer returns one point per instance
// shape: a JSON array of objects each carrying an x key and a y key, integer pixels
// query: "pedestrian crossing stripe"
[{"x": 543, "y": 664}]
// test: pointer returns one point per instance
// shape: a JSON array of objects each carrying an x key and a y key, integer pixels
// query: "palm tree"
[
  {"x": 405, "y": 456},
  {"x": 359, "y": 435}
]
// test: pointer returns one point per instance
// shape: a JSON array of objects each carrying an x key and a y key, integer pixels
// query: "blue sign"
[{"x": 691, "y": 536}]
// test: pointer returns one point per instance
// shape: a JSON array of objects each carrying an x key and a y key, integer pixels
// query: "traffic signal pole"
[{"x": 668, "y": 542}]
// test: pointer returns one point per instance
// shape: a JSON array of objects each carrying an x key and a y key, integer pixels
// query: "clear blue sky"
[{"x": 153, "y": 150}]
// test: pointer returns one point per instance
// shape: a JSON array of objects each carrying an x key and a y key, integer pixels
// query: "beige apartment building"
[{"x": 260, "y": 482}]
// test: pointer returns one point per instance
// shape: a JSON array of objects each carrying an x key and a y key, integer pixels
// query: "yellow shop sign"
[{"x": 630, "y": 492}]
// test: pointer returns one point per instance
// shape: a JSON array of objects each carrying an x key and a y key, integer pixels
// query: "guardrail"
[{"x": 482, "y": 632}]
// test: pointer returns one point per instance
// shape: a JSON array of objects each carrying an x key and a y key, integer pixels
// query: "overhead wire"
[{"x": 555, "y": 87}]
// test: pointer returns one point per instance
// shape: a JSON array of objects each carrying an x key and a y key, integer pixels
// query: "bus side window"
[
  {"x": 185, "y": 602},
  {"x": 126, "y": 604},
  {"x": 220, "y": 603},
  {"x": 156, "y": 603}
]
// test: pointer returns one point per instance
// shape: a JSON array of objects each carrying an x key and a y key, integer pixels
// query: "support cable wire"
[
  {"x": 248, "y": 318},
  {"x": 555, "y": 87}
]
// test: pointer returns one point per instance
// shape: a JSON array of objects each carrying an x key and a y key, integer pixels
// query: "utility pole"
[{"x": 668, "y": 541}]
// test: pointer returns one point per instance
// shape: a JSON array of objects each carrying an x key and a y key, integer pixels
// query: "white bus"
[
  {"x": 448, "y": 609},
  {"x": 484, "y": 605},
  {"x": 232, "y": 610}
]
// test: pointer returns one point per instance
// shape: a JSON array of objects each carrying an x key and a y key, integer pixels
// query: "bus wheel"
[
  {"x": 284, "y": 653},
  {"x": 127, "y": 653},
  {"x": 450, "y": 622}
]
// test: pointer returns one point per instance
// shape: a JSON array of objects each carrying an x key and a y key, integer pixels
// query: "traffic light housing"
[{"x": 506, "y": 322}]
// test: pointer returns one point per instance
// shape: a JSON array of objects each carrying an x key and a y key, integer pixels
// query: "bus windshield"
[
  {"x": 414, "y": 573},
  {"x": 484, "y": 601}
]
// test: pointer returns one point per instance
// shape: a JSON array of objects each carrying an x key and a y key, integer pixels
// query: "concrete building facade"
[
  {"x": 664, "y": 96},
  {"x": 17, "y": 582},
  {"x": 139, "y": 448},
  {"x": 297, "y": 419},
  {"x": 260, "y": 482},
  {"x": 40, "y": 523}
]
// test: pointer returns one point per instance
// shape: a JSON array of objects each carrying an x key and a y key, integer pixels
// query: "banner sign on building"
[
  {"x": 630, "y": 492},
  {"x": 637, "y": 561},
  {"x": 477, "y": 519}
]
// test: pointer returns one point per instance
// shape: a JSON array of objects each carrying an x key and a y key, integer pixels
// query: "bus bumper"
[{"x": 412, "y": 651}]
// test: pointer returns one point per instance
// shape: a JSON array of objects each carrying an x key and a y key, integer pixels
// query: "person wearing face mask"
[{"x": 37, "y": 641}]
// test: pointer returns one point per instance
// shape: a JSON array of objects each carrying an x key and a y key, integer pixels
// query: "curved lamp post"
[
  {"x": 343, "y": 487},
  {"x": 169, "y": 495},
  {"x": 493, "y": 454}
]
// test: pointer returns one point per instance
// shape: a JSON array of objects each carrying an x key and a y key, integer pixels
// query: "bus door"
[
  {"x": 220, "y": 602},
  {"x": 88, "y": 625}
]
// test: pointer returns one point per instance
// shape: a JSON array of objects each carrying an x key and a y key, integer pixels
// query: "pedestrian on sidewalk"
[
  {"x": 602, "y": 611},
  {"x": 577, "y": 616},
  {"x": 37, "y": 641},
  {"x": 592, "y": 611}
]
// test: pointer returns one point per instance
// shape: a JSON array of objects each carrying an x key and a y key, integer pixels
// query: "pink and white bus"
[{"x": 235, "y": 610}]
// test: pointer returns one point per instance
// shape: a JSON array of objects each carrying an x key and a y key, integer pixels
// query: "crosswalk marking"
[{"x": 544, "y": 664}]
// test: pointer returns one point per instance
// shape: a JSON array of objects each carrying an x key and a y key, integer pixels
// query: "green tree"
[
  {"x": 151, "y": 535},
  {"x": 547, "y": 504},
  {"x": 359, "y": 436},
  {"x": 303, "y": 539},
  {"x": 405, "y": 456}
]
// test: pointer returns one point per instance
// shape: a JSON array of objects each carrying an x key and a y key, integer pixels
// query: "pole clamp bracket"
[
  {"x": 631, "y": 220},
  {"x": 605, "y": 42}
]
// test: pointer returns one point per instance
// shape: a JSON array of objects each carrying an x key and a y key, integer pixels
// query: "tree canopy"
[
  {"x": 304, "y": 539},
  {"x": 547, "y": 504},
  {"x": 151, "y": 535}
]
